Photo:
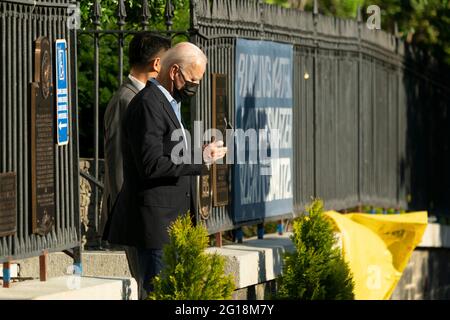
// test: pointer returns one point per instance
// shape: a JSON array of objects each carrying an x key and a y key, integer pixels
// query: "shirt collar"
[
  {"x": 163, "y": 90},
  {"x": 137, "y": 83}
]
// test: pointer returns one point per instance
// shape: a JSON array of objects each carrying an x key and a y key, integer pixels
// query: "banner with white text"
[{"x": 263, "y": 133}]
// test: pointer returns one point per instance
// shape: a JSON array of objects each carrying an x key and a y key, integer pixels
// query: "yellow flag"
[{"x": 377, "y": 248}]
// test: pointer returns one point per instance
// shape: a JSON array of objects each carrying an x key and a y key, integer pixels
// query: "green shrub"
[
  {"x": 316, "y": 270},
  {"x": 189, "y": 272}
]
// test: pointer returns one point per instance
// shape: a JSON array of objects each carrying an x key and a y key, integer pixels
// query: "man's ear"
[
  {"x": 156, "y": 65},
  {"x": 173, "y": 71}
]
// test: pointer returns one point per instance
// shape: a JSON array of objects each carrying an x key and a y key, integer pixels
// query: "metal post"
[
  {"x": 280, "y": 227},
  {"x": 260, "y": 231},
  {"x": 359, "y": 125},
  {"x": 315, "y": 86},
  {"x": 75, "y": 141},
  {"x": 77, "y": 262},
  {"x": 218, "y": 239},
  {"x": 168, "y": 15},
  {"x": 96, "y": 21},
  {"x": 145, "y": 15},
  {"x": 239, "y": 235},
  {"x": 121, "y": 15},
  {"x": 43, "y": 265},
  {"x": 6, "y": 274}
]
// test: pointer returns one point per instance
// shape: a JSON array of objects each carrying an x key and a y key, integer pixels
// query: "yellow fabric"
[{"x": 377, "y": 248}]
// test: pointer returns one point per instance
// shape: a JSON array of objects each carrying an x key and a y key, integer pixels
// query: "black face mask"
[{"x": 187, "y": 91}]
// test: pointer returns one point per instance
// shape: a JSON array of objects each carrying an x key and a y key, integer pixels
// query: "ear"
[
  {"x": 173, "y": 71},
  {"x": 156, "y": 65}
]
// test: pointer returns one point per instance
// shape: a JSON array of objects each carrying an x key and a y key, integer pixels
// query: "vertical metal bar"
[
  {"x": 145, "y": 14},
  {"x": 3, "y": 87},
  {"x": 315, "y": 94},
  {"x": 70, "y": 67},
  {"x": 11, "y": 132},
  {"x": 121, "y": 14},
  {"x": 43, "y": 265},
  {"x": 359, "y": 117},
  {"x": 96, "y": 22},
  {"x": 6, "y": 274},
  {"x": 68, "y": 213},
  {"x": 399, "y": 122},
  {"x": 168, "y": 15},
  {"x": 73, "y": 41},
  {"x": 22, "y": 89},
  {"x": 280, "y": 227},
  {"x": 239, "y": 235},
  {"x": 9, "y": 115},
  {"x": 260, "y": 230},
  {"x": 218, "y": 237}
]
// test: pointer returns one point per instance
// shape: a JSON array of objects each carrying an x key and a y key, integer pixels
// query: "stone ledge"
[
  {"x": 252, "y": 262},
  {"x": 256, "y": 260},
  {"x": 72, "y": 288},
  {"x": 436, "y": 236}
]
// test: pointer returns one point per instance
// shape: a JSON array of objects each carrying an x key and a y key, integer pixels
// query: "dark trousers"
[
  {"x": 133, "y": 265},
  {"x": 149, "y": 265}
]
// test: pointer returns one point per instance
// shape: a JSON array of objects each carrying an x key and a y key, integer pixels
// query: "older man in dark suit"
[
  {"x": 145, "y": 53},
  {"x": 157, "y": 190}
]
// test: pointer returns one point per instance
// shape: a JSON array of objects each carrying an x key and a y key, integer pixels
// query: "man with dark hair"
[{"x": 145, "y": 51}]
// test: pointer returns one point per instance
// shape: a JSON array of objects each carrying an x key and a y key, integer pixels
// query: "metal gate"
[
  {"x": 363, "y": 103},
  {"x": 21, "y": 23}
]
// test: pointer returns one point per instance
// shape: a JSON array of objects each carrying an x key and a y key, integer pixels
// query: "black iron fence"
[
  {"x": 366, "y": 107},
  {"x": 21, "y": 24},
  {"x": 370, "y": 120}
]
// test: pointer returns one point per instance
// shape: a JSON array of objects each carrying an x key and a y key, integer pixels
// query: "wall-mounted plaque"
[
  {"x": 204, "y": 194},
  {"x": 8, "y": 204},
  {"x": 42, "y": 140},
  {"x": 219, "y": 114}
]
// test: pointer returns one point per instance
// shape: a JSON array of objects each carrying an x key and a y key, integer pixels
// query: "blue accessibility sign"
[{"x": 62, "y": 92}]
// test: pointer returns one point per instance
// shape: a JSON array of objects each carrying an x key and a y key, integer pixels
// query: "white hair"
[{"x": 184, "y": 54}]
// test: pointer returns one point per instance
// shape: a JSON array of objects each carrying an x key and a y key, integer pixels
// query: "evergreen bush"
[
  {"x": 189, "y": 272},
  {"x": 316, "y": 270}
]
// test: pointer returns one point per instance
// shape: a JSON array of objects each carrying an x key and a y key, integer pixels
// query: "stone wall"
[
  {"x": 426, "y": 277},
  {"x": 256, "y": 264}
]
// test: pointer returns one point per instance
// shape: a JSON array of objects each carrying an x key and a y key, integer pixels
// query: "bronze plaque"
[
  {"x": 8, "y": 204},
  {"x": 219, "y": 114},
  {"x": 42, "y": 140},
  {"x": 204, "y": 194}
]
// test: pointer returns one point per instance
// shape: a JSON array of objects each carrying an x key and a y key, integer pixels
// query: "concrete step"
[{"x": 72, "y": 287}]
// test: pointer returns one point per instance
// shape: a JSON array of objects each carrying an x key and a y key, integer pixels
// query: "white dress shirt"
[{"x": 176, "y": 106}]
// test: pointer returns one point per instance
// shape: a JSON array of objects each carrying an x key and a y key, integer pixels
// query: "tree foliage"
[
  {"x": 424, "y": 23},
  {"x": 109, "y": 53},
  {"x": 316, "y": 269},
  {"x": 189, "y": 272}
]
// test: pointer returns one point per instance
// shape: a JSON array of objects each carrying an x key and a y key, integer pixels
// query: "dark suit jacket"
[
  {"x": 114, "y": 114},
  {"x": 155, "y": 190}
]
